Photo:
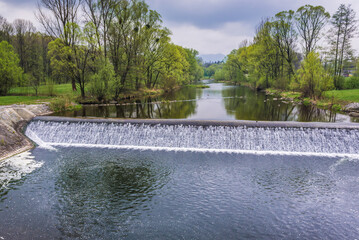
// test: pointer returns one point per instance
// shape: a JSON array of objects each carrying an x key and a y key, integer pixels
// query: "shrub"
[
  {"x": 351, "y": 83},
  {"x": 60, "y": 104}
]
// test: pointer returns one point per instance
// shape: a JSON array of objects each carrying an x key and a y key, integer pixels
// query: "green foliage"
[
  {"x": 10, "y": 72},
  {"x": 99, "y": 85},
  {"x": 351, "y": 83},
  {"x": 63, "y": 103},
  {"x": 312, "y": 77}
]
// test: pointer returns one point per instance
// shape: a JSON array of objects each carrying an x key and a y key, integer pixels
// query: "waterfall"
[{"x": 238, "y": 139}]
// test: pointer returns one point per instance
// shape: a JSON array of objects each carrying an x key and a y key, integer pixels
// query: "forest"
[
  {"x": 103, "y": 48},
  {"x": 307, "y": 50}
]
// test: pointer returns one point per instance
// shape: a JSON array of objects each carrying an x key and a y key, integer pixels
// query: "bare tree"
[
  {"x": 310, "y": 21},
  {"x": 23, "y": 31},
  {"x": 344, "y": 28},
  {"x": 100, "y": 13},
  {"x": 6, "y": 30},
  {"x": 56, "y": 24},
  {"x": 62, "y": 12}
]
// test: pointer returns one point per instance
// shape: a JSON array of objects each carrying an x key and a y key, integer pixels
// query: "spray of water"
[
  {"x": 16, "y": 167},
  {"x": 285, "y": 141}
]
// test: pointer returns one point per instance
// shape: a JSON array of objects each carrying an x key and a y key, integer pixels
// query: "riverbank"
[
  {"x": 13, "y": 118},
  {"x": 329, "y": 101}
]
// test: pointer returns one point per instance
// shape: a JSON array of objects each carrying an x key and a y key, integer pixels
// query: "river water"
[
  {"x": 218, "y": 102},
  {"x": 98, "y": 193}
]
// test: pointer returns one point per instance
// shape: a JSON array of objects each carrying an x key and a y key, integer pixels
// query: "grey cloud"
[{"x": 215, "y": 13}]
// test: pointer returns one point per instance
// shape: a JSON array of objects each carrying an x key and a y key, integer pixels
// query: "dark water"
[
  {"x": 219, "y": 102},
  {"x": 127, "y": 194}
]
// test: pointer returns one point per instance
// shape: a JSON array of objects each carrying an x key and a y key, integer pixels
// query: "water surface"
[
  {"x": 219, "y": 102},
  {"x": 127, "y": 194}
]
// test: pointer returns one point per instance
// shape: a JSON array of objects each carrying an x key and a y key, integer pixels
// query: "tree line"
[
  {"x": 294, "y": 51},
  {"x": 102, "y": 47}
]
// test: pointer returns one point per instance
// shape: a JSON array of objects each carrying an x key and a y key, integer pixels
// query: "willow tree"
[{"x": 132, "y": 26}]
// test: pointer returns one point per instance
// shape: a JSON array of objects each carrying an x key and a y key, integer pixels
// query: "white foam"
[
  {"x": 16, "y": 167},
  {"x": 206, "y": 150}
]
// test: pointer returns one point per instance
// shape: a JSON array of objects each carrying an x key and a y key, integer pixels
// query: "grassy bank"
[
  {"x": 61, "y": 96},
  {"x": 9, "y": 100},
  {"x": 335, "y": 100},
  {"x": 344, "y": 95}
]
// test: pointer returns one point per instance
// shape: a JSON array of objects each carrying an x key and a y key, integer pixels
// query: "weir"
[{"x": 283, "y": 138}]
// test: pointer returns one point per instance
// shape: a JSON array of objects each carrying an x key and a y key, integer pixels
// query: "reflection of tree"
[
  {"x": 310, "y": 113},
  {"x": 91, "y": 186},
  {"x": 171, "y": 105},
  {"x": 250, "y": 105},
  {"x": 247, "y": 104}
]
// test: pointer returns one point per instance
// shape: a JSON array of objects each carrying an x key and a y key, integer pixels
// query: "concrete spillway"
[{"x": 205, "y": 136}]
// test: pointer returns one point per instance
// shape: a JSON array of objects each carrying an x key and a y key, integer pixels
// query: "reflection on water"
[
  {"x": 82, "y": 193},
  {"x": 219, "y": 102}
]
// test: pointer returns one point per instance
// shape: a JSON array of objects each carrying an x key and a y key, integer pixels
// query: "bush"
[
  {"x": 351, "y": 83},
  {"x": 61, "y": 104}
]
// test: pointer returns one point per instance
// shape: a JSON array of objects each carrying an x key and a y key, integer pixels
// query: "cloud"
[
  {"x": 15, "y": 9},
  {"x": 210, "y": 26},
  {"x": 218, "y": 26},
  {"x": 210, "y": 41}
]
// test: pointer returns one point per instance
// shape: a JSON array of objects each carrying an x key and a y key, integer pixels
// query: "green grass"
[
  {"x": 9, "y": 100},
  {"x": 198, "y": 86},
  {"x": 59, "y": 89},
  {"x": 344, "y": 95}
]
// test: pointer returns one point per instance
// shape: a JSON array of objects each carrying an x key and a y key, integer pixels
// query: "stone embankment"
[
  {"x": 352, "y": 109},
  {"x": 12, "y": 120}
]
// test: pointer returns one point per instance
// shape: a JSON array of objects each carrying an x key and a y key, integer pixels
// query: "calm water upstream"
[
  {"x": 93, "y": 193},
  {"x": 219, "y": 102}
]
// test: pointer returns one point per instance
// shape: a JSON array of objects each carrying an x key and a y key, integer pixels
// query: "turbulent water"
[
  {"x": 104, "y": 181},
  {"x": 298, "y": 141}
]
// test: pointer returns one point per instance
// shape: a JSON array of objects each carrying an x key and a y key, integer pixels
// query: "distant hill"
[{"x": 212, "y": 57}]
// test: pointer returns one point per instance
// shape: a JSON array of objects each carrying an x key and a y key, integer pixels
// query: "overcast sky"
[{"x": 210, "y": 26}]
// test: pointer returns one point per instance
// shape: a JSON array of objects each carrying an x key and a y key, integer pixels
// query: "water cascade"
[{"x": 334, "y": 142}]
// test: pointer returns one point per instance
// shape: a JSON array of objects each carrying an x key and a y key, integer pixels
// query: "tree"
[
  {"x": 10, "y": 72},
  {"x": 313, "y": 78},
  {"x": 24, "y": 31},
  {"x": 6, "y": 30},
  {"x": 100, "y": 13},
  {"x": 62, "y": 12},
  {"x": 344, "y": 26},
  {"x": 310, "y": 21},
  {"x": 285, "y": 38},
  {"x": 133, "y": 25},
  {"x": 82, "y": 54}
]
